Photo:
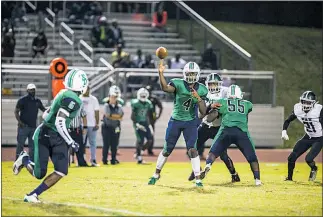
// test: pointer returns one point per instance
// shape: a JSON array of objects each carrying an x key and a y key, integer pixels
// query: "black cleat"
[
  {"x": 288, "y": 179},
  {"x": 235, "y": 178},
  {"x": 191, "y": 177},
  {"x": 203, "y": 173},
  {"x": 312, "y": 174}
]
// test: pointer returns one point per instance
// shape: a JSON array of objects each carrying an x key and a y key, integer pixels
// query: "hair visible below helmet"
[
  {"x": 214, "y": 83},
  {"x": 308, "y": 100},
  {"x": 114, "y": 90},
  {"x": 142, "y": 94},
  {"x": 234, "y": 91},
  {"x": 191, "y": 72},
  {"x": 76, "y": 80}
]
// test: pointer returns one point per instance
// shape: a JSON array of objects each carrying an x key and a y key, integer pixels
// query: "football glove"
[
  {"x": 284, "y": 135},
  {"x": 75, "y": 146},
  {"x": 140, "y": 127}
]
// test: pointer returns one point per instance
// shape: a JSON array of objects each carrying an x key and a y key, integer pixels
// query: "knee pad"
[
  {"x": 308, "y": 159},
  {"x": 292, "y": 157},
  {"x": 166, "y": 153},
  {"x": 252, "y": 158},
  {"x": 192, "y": 153},
  {"x": 224, "y": 157},
  {"x": 40, "y": 175}
]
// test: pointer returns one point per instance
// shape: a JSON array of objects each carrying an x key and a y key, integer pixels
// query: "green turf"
[
  {"x": 295, "y": 54},
  {"x": 124, "y": 188}
]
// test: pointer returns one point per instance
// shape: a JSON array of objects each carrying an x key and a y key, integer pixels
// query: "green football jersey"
[
  {"x": 120, "y": 101},
  {"x": 141, "y": 109},
  {"x": 67, "y": 100},
  {"x": 185, "y": 105},
  {"x": 235, "y": 113}
]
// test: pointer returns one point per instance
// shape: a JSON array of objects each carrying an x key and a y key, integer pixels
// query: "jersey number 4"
[
  {"x": 187, "y": 104},
  {"x": 239, "y": 106},
  {"x": 309, "y": 125}
]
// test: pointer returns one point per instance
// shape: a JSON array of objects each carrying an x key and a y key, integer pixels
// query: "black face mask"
[{"x": 32, "y": 94}]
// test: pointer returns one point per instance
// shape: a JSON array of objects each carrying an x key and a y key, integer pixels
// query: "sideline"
[{"x": 88, "y": 207}]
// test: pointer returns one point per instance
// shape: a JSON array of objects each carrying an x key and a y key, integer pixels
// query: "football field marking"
[{"x": 104, "y": 209}]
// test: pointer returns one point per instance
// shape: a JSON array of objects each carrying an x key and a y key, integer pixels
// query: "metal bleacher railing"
[{"x": 70, "y": 40}]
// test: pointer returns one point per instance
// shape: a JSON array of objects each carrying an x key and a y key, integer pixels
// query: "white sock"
[
  {"x": 161, "y": 160},
  {"x": 196, "y": 165},
  {"x": 156, "y": 176},
  {"x": 139, "y": 158}
]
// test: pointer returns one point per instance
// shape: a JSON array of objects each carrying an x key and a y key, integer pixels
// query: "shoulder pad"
[{"x": 298, "y": 109}]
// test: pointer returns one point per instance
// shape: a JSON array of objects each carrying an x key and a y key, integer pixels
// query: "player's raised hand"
[
  {"x": 284, "y": 135},
  {"x": 161, "y": 67},
  {"x": 215, "y": 105},
  {"x": 195, "y": 94}
]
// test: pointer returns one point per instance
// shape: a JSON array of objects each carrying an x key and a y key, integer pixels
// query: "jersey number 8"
[{"x": 232, "y": 106}]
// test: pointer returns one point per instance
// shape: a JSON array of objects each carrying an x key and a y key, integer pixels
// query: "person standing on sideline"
[
  {"x": 26, "y": 113},
  {"x": 113, "y": 114},
  {"x": 76, "y": 132},
  {"x": 91, "y": 108},
  {"x": 153, "y": 117}
]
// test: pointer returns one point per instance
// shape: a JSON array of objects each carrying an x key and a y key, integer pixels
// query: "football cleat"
[
  {"x": 18, "y": 165},
  {"x": 198, "y": 183},
  {"x": 191, "y": 177},
  {"x": 204, "y": 172},
  {"x": 312, "y": 174},
  {"x": 235, "y": 178},
  {"x": 258, "y": 182},
  {"x": 153, "y": 180},
  {"x": 31, "y": 198},
  {"x": 288, "y": 179}
]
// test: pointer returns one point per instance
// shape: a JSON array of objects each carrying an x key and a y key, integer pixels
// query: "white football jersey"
[
  {"x": 312, "y": 125},
  {"x": 211, "y": 98}
]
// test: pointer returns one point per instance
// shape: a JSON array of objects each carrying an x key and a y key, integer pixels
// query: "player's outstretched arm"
[
  {"x": 163, "y": 84},
  {"x": 291, "y": 118}
]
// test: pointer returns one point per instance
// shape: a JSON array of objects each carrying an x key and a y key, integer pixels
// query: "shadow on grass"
[{"x": 190, "y": 189}]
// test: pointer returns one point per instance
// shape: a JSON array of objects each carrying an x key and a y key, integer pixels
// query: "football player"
[
  {"x": 115, "y": 90},
  {"x": 51, "y": 138},
  {"x": 233, "y": 130},
  {"x": 189, "y": 94},
  {"x": 310, "y": 113},
  {"x": 208, "y": 129},
  {"x": 140, "y": 110}
]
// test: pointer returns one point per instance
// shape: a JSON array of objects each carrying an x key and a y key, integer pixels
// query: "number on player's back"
[{"x": 236, "y": 105}]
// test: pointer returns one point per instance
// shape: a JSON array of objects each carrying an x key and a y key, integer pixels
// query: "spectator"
[
  {"x": 76, "y": 132},
  {"x": 177, "y": 62},
  {"x": 153, "y": 116},
  {"x": 117, "y": 56},
  {"x": 160, "y": 18},
  {"x": 149, "y": 62},
  {"x": 138, "y": 59},
  {"x": 8, "y": 45},
  {"x": 39, "y": 44},
  {"x": 5, "y": 26},
  {"x": 102, "y": 34},
  {"x": 18, "y": 13},
  {"x": 209, "y": 58},
  {"x": 113, "y": 113},
  {"x": 26, "y": 113},
  {"x": 126, "y": 62},
  {"x": 117, "y": 33},
  {"x": 91, "y": 108}
]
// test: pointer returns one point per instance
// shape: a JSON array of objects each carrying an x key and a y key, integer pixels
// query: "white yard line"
[{"x": 104, "y": 209}]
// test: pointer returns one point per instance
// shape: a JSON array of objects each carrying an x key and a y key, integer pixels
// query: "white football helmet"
[
  {"x": 142, "y": 94},
  {"x": 191, "y": 72},
  {"x": 115, "y": 90},
  {"x": 214, "y": 83},
  {"x": 76, "y": 80},
  {"x": 234, "y": 91}
]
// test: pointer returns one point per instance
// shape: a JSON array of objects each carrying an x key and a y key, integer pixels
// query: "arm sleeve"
[
  {"x": 291, "y": 117},
  {"x": 60, "y": 124}
]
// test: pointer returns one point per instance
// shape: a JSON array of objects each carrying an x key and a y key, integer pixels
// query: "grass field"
[
  {"x": 123, "y": 190},
  {"x": 295, "y": 54}
]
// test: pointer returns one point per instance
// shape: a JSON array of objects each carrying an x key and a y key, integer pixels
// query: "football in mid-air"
[{"x": 161, "y": 53}]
